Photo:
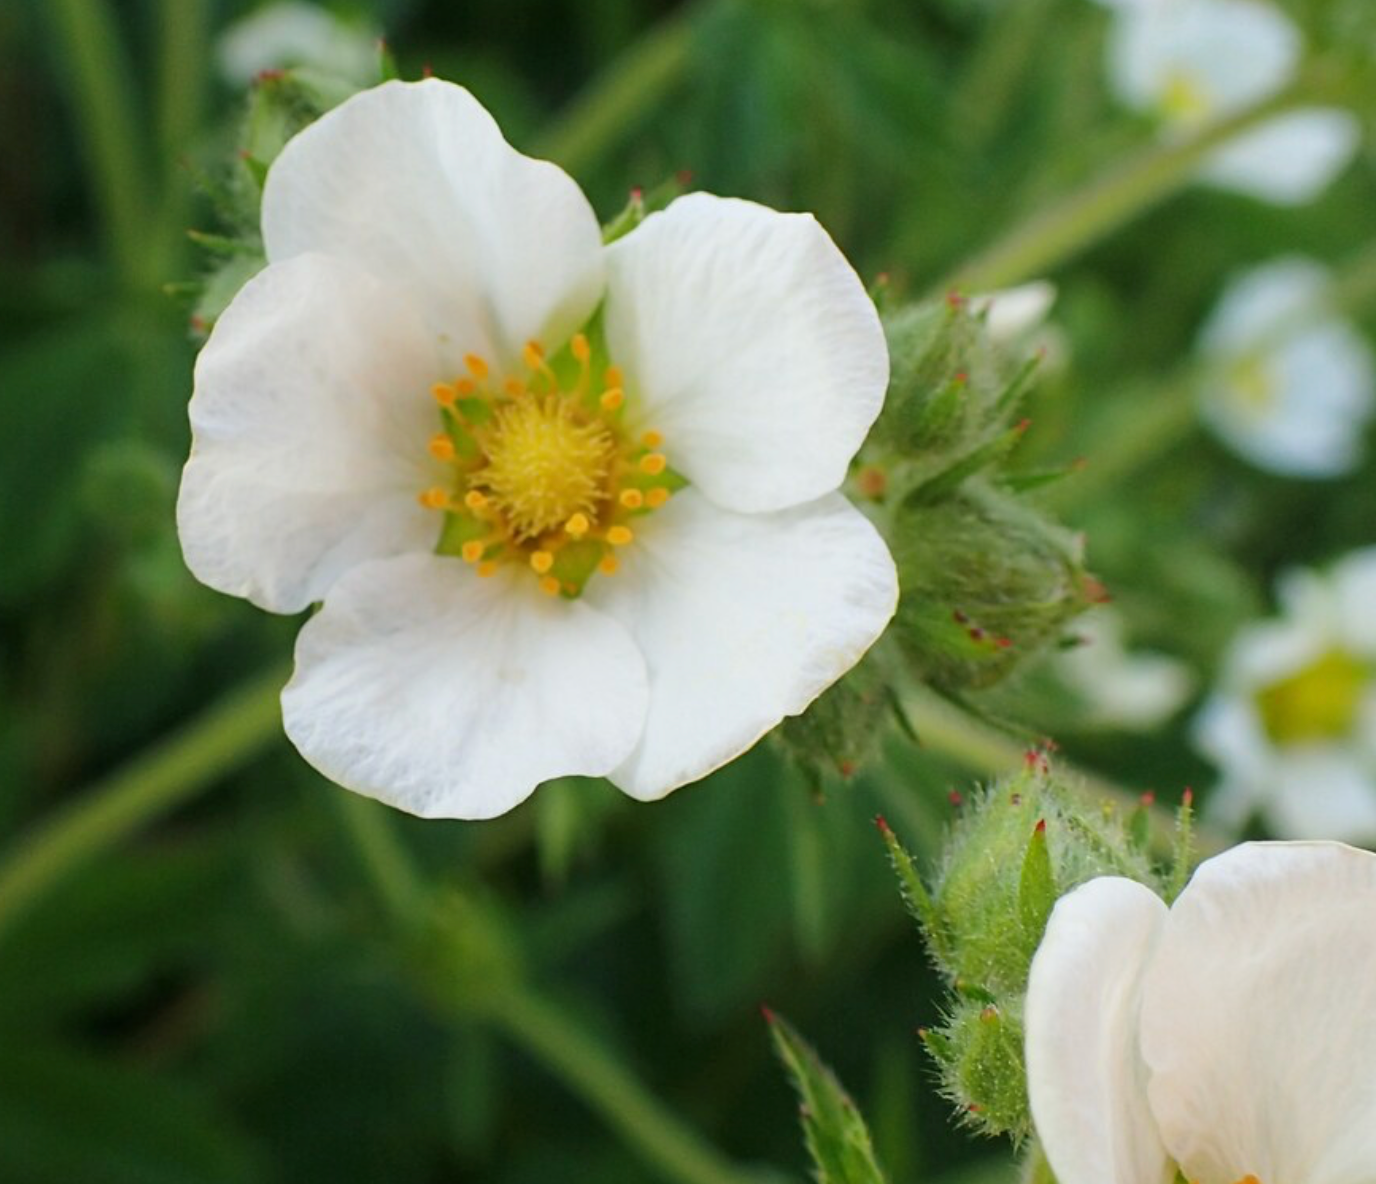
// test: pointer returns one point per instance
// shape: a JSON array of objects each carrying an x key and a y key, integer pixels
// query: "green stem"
[
  {"x": 88, "y": 45},
  {"x": 583, "y": 1065},
  {"x": 212, "y": 744},
  {"x": 389, "y": 866},
  {"x": 1077, "y": 221},
  {"x": 183, "y": 27},
  {"x": 621, "y": 95}
]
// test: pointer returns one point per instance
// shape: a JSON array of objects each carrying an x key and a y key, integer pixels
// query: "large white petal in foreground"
[
  {"x": 1256, "y": 1017},
  {"x": 415, "y": 182},
  {"x": 752, "y": 346},
  {"x": 310, "y": 418},
  {"x": 451, "y": 696},
  {"x": 743, "y": 619},
  {"x": 1086, "y": 1080}
]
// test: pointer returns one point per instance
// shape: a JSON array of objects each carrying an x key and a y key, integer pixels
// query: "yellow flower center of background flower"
[
  {"x": 1183, "y": 99},
  {"x": 1252, "y": 386},
  {"x": 1319, "y": 702},
  {"x": 545, "y": 473}
]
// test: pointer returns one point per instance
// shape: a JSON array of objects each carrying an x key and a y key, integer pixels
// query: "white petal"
[
  {"x": 415, "y": 182},
  {"x": 1257, "y": 305},
  {"x": 451, "y": 696},
  {"x": 1354, "y": 578},
  {"x": 1289, "y": 160},
  {"x": 309, "y": 423},
  {"x": 1256, "y": 1017},
  {"x": 1323, "y": 792},
  {"x": 1085, "y": 1079},
  {"x": 752, "y": 346},
  {"x": 294, "y": 33},
  {"x": 743, "y": 619},
  {"x": 1013, "y": 312}
]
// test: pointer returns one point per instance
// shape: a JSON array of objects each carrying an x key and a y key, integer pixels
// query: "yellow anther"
[
  {"x": 652, "y": 439},
  {"x": 514, "y": 387},
  {"x": 656, "y": 497},
  {"x": 465, "y": 386},
  {"x": 476, "y": 367},
  {"x": 632, "y": 499},
  {"x": 613, "y": 377},
  {"x": 535, "y": 358},
  {"x": 472, "y": 551},
  {"x": 580, "y": 348},
  {"x": 541, "y": 561},
  {"x": 619, "y": 536},
  {"x": 445, "y": 393},
  {"x": 475, "y": 500},
  {"x": 487, "y": 569},
  {"x": 442, "y": 447},
  {"x": 612, "y": 399},
  {"x": 578, "y": 525},
  {"x": 549, "y": 586},
  {"x": 653, "y": 463},
  {"x": 435, "y": 499},
  {"x": 609, "y": 564}
]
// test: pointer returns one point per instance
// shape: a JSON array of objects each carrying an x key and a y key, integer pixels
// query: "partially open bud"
[{"x": 841, "y": 729}]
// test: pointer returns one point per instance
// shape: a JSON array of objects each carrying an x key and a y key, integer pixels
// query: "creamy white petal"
[
  {"x": 1256, "y": 1017},
  {"x": 1258, "y": 304},
  {"x": 1354, "y": 579},
  {"x": 1288, "y": 160},
  {"x": 1013, "y": 312},
  {"x": 1229, "y": 731},
  {"x": 743, "y": 619},
  {"x": 294, "y": 33},
  {"x": 1085, "y": 1078},
  {"x": 309, "y": 422},
  {"x": 751, "y": 344},
  {"x": 451, "y": 696},
  {"x": 1323, "y": 792},
  {"x": 415, "y": 182}
]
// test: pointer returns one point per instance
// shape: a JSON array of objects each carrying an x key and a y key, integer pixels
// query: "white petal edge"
[
  {"x": 309, "y": 422},
  {"x": 1354, "y": 579},
  {"x": 1085, "y": 1078},
  {"x": 415, "y": 182},
  {"x": 1289, "y": 160},
  {"x": 451, "y": 696},
  {"x": 743, "y": 619},
  {"x": 751, "y": 344},
  {"x": 1256, "y": 1017}
]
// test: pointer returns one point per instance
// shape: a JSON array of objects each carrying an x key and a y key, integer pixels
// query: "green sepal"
[{"x": 1037, "y": 888}]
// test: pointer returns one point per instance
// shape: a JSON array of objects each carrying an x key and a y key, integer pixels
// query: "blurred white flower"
[
  {"x": 1229, "y": 1035},
  {"x": 517, "y": 582},
  {"x": 1292, "y": 724},
  {"x": 295, "y": 33},
  {"x": 1121, "y": 688},
  {"x": 1288, "y": 384},
  {"x": 1013, "y": 313},
  {"x": 1191, "y": 63}
]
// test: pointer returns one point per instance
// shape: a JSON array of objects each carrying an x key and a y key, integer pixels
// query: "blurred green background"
[{"x": 218, "y": 970}]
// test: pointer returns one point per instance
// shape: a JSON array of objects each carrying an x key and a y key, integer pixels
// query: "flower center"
[
  {"x": 1183, "y": 99},
  {"x": 545, "y": 473},
  {"x": 1252, "y": 386},
  {"x": 1319, "y": 702}
]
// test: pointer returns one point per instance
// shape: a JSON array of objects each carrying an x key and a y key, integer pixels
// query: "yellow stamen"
[
  {"x": 580, "y": 348},
  {"x": 541, "y": 561},
  {"x": 652, "y": 439},
  {"x": 514, "y": 387},
  {"x": 534, "y": 357},
  {"x": 465, "y": 386},
  {"x": 549, "y": 586},
  {"x": 619, "y": 536},
  {"x": 654, "y": 463},
  {"x": 632, "y": 499},
  {"x": 578, "y": 525},
  {"x": 442, "y": 447},
  {"x": 476, "y": 367},
  {"x": 609, "y": 564},
  {"x": 487, "y": 569},
  {"x": 445, "y": 393},
  {"x": 435, "y": 499},
  {"x": 472, "y": 551},
  {"x": 612, "y": 399},
  {"x": 475, "y": 500},
  {"x": 656, "y": 497},
  {"x": 612, "y": 377}
]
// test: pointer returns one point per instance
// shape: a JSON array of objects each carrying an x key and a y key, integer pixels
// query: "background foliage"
[{"x": 238, "y": 974}]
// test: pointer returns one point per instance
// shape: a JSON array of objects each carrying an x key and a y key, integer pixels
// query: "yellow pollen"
[
  {"x": 632, "y": 499},
  {"x": 1319, "y": 702},
  {"x": 612, "y": 399},
  {"x": 475, "y": 500},
  {"x": 652, "y": 439},
  {"x": 544, "y": 464},
  {"x": 487, "y": 569},
  {"x": 465, "y": 386},
  {"x": 613, "y": 377},
  {"x": 580, "y": 348},
  {"x": 442, "y": 447},
  {"x": 472, "y": 551},
  {"x": 445, "y": 393},
  {"x": 535, "y": 358},
  {"x": 514, "y": 387},
  {"x": 609, "y": 564},
  {"x": 435, "y": 499},
  {"x": 619, "y": 536},
  {"x": 578, "y": 525},
  {"x": 656, "y": 497},
  {"x": 653, "y": 464},
  {"x": 541, "y": 561},
  {"x": 476, "y": 367},
  {"x": 549, "y": 586}
]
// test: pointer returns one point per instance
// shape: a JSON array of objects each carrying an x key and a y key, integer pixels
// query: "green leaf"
[{"x": 837, "y": 1136}]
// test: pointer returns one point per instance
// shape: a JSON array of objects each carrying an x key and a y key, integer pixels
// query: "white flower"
[
  {"x": 294, "y": 33},
  {"x": 1292, "y": 725},
  {"x": 1121, "y": 688},
  {"x": 1011, "y": 314},
  {"x": 1288, "y": 384},
  {"x": 547, "y": 544},
  {"x": 1230, "y": 1035},
  {"x": 1191, "y": 63}
]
